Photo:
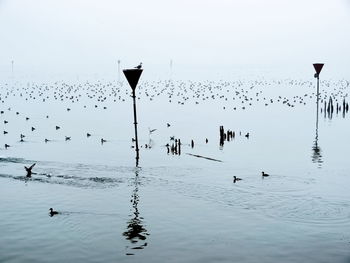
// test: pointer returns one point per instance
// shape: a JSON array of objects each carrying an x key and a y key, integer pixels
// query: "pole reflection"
[
  {"x": 136, "y": 232},
  {"x": 316, "y": 149}
]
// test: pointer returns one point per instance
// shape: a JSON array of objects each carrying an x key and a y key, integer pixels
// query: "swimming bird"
[
  {"x": 264, "y": 174},
  {"x": 53, "y": 212},
  {"x": 7, "y": 146},
  {"x": 103, "y": 140},
  {"x": 29, "y": 169},
  {"x": 235, "y": 179},
  {"x": 168, "y": 125},
  {"x": 139, "y": 66},
  {"x": 247, "y": 135},
  {"x": 68, "y": 138},
  {"x": 88, "y": 135},
  {"x": 58, "y": 127}
]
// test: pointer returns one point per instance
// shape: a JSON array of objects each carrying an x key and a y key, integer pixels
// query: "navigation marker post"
[{"x": 133, "y": 76}]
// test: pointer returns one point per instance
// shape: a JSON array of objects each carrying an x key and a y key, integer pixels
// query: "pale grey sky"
[{"x": 202, "y": 37}]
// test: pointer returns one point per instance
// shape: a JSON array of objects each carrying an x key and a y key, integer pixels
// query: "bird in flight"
[{"x": 29, "y": 169}]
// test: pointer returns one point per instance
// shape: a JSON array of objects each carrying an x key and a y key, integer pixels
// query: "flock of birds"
[
  {"x": 99, "y": 95},
  {"x": 232, "y": 95}
]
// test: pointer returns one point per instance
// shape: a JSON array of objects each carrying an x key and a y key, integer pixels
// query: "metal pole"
[
  {"x": 135, "y": 123},
  {"x": 318, "y": 80}
]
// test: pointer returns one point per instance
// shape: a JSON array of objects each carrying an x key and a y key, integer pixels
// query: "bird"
[
  {"x": 264, "y": 174},
  {"x": 247, "y": 135},
  {"x": 103, "y": 140},
  {"x": 68, "y": 138},
  {"x": 139, "y": 66},
  {"x": 29, "y": 170},
  {"x": 235, "y": 179},
  {"x": 58, "y": 127},
  {"x": 53, "y": 212},
  {"x": 88, "y": 135},
  {"x": 168, "y": 125},
  {"x": 151, "y": 130},
  {"x": 7, "y": 146},
  {"x": 46, "y": 140}
]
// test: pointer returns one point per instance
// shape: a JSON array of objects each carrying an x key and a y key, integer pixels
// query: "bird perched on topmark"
[{"x": 139, "y": 66}]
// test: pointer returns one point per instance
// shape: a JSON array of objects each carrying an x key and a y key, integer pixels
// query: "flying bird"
[{"x": 29, "y": 170}]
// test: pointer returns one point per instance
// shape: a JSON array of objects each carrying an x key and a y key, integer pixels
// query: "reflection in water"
[
  {"x": 316, "y": 150},
  {"x": 136, "y": 233}
]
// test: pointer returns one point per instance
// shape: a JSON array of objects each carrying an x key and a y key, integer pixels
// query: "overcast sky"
[{"x": 202, "y": 37}]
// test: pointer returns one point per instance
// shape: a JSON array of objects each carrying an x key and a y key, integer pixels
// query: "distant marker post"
[
  {"x": 318, "y": 67},
  {"x": 133, "y": 76}
]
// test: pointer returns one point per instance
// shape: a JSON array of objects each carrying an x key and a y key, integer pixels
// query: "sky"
[{"x": 202, "y": 38}]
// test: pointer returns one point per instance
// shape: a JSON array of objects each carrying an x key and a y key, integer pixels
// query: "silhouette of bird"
[
  {"x": 139, "y": 66},
  {"x": 67, "y": 138},
  {"x": 88, "y": 135},
  {"x": 235, "y": 179},
  {"x": 46, "y": 140},
  {"x": 58, "y": 127},
  {"x": 53, "y": 212},
  {"x": 33, "y": 129},
  {"x": 5, "y": 132},
  {"x": 7, "y": 146},
  {"x": 264, "y": 174},
  {"x": 103, "y": 140},
  {"x": 151, "y": 130},
  {"x": 247, "y": 135},
  {"x": 29, "y": 169},
  {"x": 168, "y": 125}
]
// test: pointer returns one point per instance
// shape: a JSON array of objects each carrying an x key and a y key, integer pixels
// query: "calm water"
[{"x": 174, "y": 208}]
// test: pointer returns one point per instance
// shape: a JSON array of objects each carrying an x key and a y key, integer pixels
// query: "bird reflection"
[
  {"x": 316, "y": 149},
  {"x": 136, "y": 233}
]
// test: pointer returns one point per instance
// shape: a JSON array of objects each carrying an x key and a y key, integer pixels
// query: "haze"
[{"x": 204, "y": 39}]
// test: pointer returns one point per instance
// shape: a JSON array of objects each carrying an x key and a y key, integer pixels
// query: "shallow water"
[{"x": 174, "y": 207}]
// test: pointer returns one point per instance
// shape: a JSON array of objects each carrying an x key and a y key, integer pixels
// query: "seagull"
[
  {"x": 151, "y": 130},
  {"x": 29, "y": 169},
  {"x": 53, "y": 212},
  {"x": 139, "y": 66}
]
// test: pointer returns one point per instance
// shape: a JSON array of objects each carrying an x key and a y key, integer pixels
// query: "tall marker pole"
[{"x": 133, "y": 76}]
